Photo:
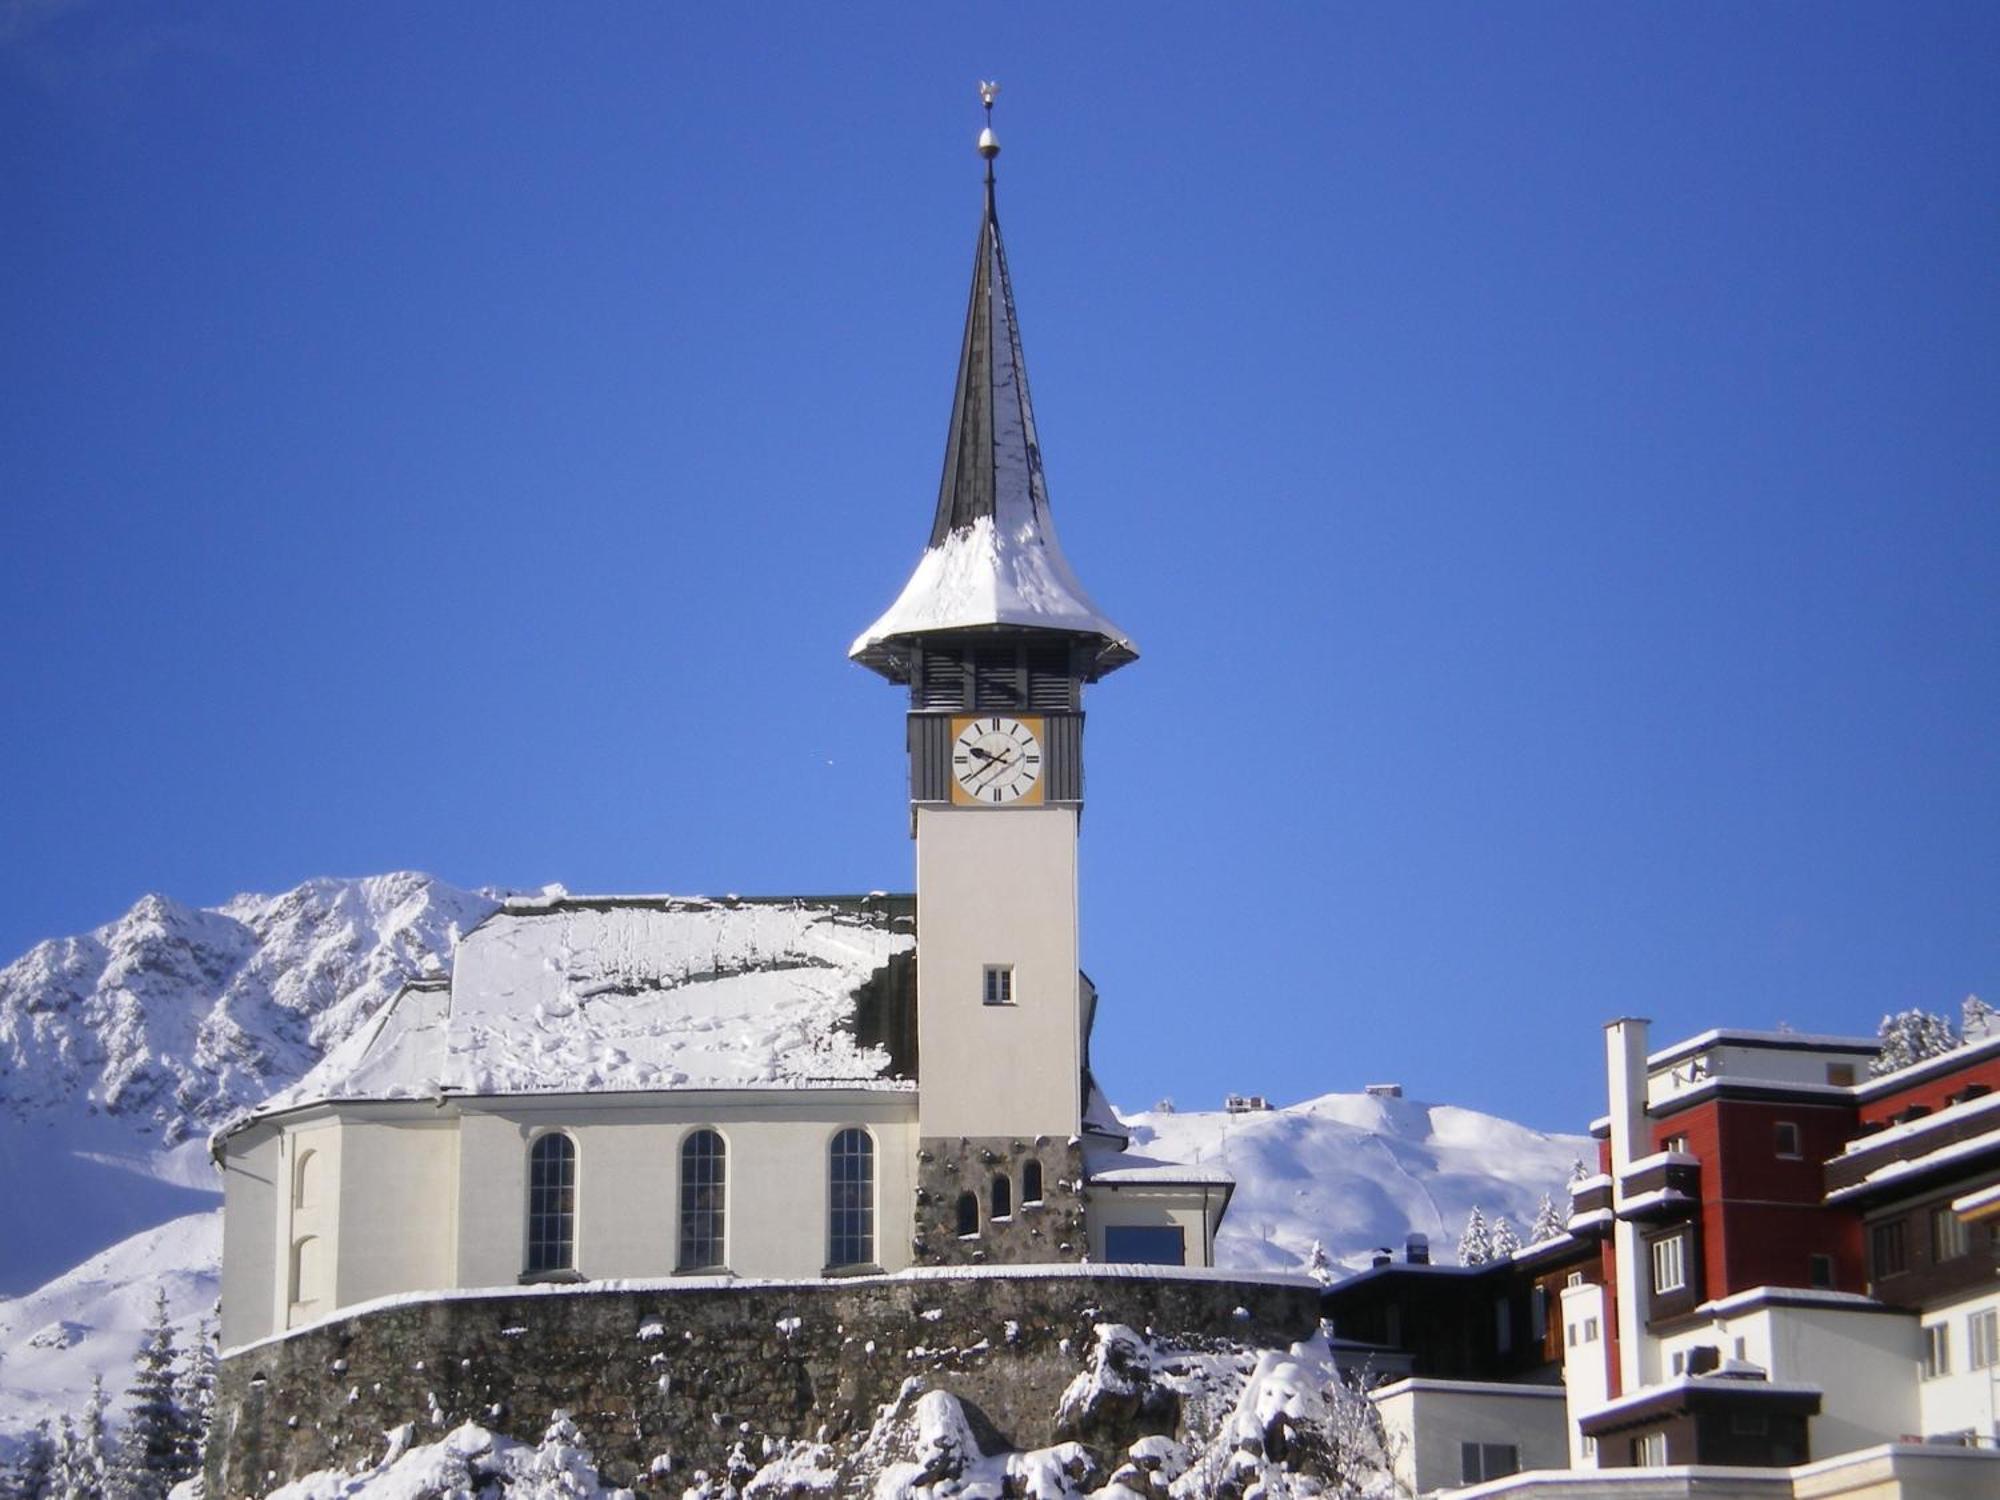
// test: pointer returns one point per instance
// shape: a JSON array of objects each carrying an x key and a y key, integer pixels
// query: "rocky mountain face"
[
  {"x": 172, "y": 1018},
  {"x": 122, "y": 1048}
]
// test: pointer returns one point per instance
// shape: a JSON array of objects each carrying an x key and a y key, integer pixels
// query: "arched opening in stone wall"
[
  {"x": 968, "y": 1214},
  {"x": 1031, "y": 1182},
  {"x": 1003, "y": 1196}
]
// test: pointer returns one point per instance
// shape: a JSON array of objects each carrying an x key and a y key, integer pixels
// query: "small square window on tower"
[
  {"x": 999, "y": 984},
  {"x": 1787, "y": 1139}
]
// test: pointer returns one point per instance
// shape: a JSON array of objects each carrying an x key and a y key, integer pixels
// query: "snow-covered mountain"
[
  {"x": 1358, "y": 1172},
  {"x": 120, "y": 1048}
]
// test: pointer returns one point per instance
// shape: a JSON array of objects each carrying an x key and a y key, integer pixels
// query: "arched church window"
[
  {"x": 305, "y": 1180},
  {"x": 1031, "y": 1182},
  {"x": 551, "y": 1204},
  {"x": 704, "y": 1193},
  {"x": 968, "y": 1214},
  {"x": 850, "y": 1228},
  {"x": 1003, "y": 1196}
]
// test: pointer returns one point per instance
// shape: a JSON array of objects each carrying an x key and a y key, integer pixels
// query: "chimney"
[
  {"x": 1417, "y": 1249},
  {"x": 1382, "y": 1257}
]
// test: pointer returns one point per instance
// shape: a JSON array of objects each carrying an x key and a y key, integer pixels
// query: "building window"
[
  {"x": 1819, "y": 1271},
  {"x": 1840, "y": 1074},
  {"x": 1145, "y": 1244},
  {"x": 1478, "y": 1462},
  {"x": 1503, "y": 1330},
  {"x": 305, "y": 1180},
  {"x": 1670, "y": 1264},
  {"x": 1887, "y": 1255},
  {"x": 968, "y": 1215},
  {"x": 704, "y": 1201},
  {"x": 1031, "y": 1182},
  {"x": 999, "y": 984},
  {"x": 850, "y": 1223},
  {"x": 1538, "y": 1314},
  {"x": 1982, "y": 1340},
  {"x": 1948, "y": 1238},
  {"x": 551, "y": 1204},
  {"x": 1003, "y": 1196},
  {"x": 1649, "y": 1450},
  {"x": 1590, "y": 1330},
  {"x": 1936, "y": 1359},
  {"x": 1787, "y": 1135}
]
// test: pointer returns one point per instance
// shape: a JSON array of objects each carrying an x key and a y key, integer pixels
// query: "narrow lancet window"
[
  {"x": 1003, "y": 1197},
  {"x": 850, "y": 1228},
  {"x": 1031, "y": 1182},
  {"x": 704, "y": 1201},
  {"x": 968, "y": 1214},
  {"x": 552, "y": 1204}
]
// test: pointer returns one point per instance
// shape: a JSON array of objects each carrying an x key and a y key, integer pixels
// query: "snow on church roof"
[
  {"x": 993, "y": 558},
  {"x": 619, "y": 994}
]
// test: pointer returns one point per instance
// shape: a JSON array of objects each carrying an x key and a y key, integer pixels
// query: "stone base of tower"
[{"x": 1035, "y": 1229}]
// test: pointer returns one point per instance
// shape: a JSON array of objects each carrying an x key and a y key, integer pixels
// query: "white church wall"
[
  {"x": 309, "y": 1188},
  {"x": 628, "y": 1179},
  {"x": 998, "y": 887},
  {"x": 251, "y": 1174},
  {"x": 1963, "y": 1397},
  {"x": 398, "y": 1196}
]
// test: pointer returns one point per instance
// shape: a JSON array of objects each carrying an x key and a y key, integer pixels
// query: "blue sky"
[{"x": 1547, "y": 455}]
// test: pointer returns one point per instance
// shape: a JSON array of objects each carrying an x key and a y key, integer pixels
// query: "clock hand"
[{"x": 995, "y": 764}]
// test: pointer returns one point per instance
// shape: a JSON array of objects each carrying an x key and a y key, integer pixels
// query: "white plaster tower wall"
[{"x": 998, "y": 887}]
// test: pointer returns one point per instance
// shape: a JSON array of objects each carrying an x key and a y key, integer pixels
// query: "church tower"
[{"x": 995, "y": 639}]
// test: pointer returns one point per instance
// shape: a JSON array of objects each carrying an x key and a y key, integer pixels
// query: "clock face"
[{"x": 995, "y": 760}]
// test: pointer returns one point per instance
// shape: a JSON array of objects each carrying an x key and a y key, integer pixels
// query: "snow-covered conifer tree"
[
  {"x": 156, "y": 1451},
  {"x": 194, "y": 1391},
  {"x": 1506, "y": 1239},
  {"x": 1976, "y": 1020},
  {"x": 1578, "y": 1171},
  {"x": 1319, "y": 1265},
  {"x": 1549, "y": 1223},
  {"x": 29, "y": 1475},
  {"x": 91, "y": 1473},
  {"x": 1910, "y": 1036},
  {"x": 1475, "y": 1246}
]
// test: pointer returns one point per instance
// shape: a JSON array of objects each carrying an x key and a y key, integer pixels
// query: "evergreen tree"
[
  {"x": 62, "y": 1462},
  {"x": 194, "y": 1392},
  {"x": 1475, "y": 1246},
  {"x": 1577, "y": 1170},
  {"x": 1910, "y": 1036},
  {"x": 1319, "y": 1265},
  {"x": 1505, "y": 1238},
  {"x": 29, "y": 1476},
  {"x": 156, "y": 1452},
  {"x": 1976, "y": 1020},
  {"x": 1549, "y": 1223},
  {"x": 90, "y": 1470}
]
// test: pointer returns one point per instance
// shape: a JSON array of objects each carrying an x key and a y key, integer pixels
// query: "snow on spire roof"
[
  {"x": 993, "y": 558},
  {"x": 617, "y": 994}
]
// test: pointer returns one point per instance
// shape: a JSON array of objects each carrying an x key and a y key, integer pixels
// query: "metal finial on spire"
[{"x": 989, "y": 143}]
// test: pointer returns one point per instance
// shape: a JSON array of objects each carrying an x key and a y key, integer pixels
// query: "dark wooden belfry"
[{"x": 968, "y": 636}]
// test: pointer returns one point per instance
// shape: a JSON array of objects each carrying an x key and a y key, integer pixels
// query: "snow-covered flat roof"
[
  {"x": 562, "y": 994},
  {"x": 1791, "y": 1296}
]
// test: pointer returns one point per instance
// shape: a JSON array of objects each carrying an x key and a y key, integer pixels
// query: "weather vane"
[{"x": 989, "y": 143}]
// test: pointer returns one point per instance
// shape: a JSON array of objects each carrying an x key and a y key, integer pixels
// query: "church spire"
[{"x": 993, "y": 559}]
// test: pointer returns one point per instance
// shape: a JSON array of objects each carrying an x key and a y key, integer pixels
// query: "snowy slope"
[
  {"x": 90, "y": 1320},
  {"x": 1357, "y": 1171},
  {"x": 120, "y": 1048}
]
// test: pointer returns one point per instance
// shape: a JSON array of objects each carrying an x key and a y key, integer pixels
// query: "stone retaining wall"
[{"x": 666, "y": 1379}]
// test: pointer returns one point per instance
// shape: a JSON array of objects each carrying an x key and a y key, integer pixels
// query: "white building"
[{"x": 647, "y": 1087}]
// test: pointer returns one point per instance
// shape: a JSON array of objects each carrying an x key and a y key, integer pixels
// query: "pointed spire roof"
[{"x": 993, "y": 558}]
